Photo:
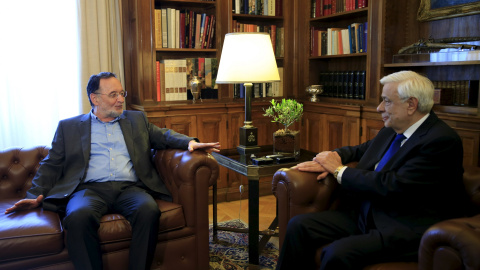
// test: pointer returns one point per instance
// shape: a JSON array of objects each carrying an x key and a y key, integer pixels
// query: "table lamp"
[{"x": 247, "y": 58}]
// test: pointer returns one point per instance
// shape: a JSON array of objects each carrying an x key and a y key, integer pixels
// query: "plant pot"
[{"x": 286, "y": 143}]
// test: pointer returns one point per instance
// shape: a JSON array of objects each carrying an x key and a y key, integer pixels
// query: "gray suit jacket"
[{"x": 65, "y": 166}]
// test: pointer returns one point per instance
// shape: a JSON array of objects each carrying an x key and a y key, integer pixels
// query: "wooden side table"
[{"x": 232, "y": 160}]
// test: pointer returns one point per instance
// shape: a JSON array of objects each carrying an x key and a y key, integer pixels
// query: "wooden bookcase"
[
  {"x": 408, "y": 30},
  {"x": 334, "y": 122},
  {"x": 210, "y": 120},
  {"x": 329, "y": 123}
]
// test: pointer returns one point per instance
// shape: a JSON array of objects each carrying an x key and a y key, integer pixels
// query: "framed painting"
[{"x": 440, "y": 9}]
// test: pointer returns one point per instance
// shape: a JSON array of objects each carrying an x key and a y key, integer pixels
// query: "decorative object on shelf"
[
  {"x": 247, "y": 58},
  {"x": 440, "y": 9},
  {"x": 433, "y": 45},
  {"x": 314, "y": 90},
  {"x": 195, "y": 88},
  {"x": 286, "y": 112}
]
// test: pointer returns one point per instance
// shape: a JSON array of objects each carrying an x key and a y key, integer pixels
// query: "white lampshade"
[{"x": 247, "y": 58}]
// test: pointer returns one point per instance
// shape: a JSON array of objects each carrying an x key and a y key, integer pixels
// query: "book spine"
[
  {"x": 211, "y": 37},
  {"x": 278, "y": 8},
  {"x": 158, "y": 29},
  {"x": 183, "y": 77},
  {"x": 198, "y": 25},
  {"x": 159, "y": 96},
  {"x": 164, "y": 29},
  {"x": 162, "y": 81},
  {"x": 177, "y": 29},
  {"x": 182, "y": 29}
]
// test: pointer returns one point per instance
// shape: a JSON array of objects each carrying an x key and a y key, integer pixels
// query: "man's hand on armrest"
[
  {"x": 208, "y": 147},
  {"x": 25, "y": 204},
  {"x": 312, "y": 166}
]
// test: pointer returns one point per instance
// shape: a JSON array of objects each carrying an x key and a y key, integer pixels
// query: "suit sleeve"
[{"x": 51, "y": 168}]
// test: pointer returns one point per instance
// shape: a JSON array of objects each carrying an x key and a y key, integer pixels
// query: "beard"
[{"x": 114, "y": 114}]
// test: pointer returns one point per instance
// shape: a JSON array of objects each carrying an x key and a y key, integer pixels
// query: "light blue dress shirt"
[{"x": 109, "y": 157}]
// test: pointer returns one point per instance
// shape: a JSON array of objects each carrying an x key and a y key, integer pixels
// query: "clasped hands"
[{"x": 324, "y": 163}]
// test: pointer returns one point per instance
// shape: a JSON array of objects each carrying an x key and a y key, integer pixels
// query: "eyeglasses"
[{"x": 114, "y": 95}]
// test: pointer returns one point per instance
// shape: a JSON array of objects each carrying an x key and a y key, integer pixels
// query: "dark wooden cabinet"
[{"x": 326, "y": 126}]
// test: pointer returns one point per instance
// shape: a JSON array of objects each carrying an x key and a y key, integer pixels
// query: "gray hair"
[{"x": 412, "y": 84}]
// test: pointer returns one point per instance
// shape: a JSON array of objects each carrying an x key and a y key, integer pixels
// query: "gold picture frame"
[{"x": 446, "y": 9}]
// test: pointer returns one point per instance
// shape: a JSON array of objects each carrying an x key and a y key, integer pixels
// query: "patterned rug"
[{"x": 230, "y": 252}]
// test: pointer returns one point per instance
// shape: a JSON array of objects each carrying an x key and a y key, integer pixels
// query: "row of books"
[
  {"x": 334, "y": 41},
  {"x": 258, "y": 7},
  {"x": 343, "y": 84},
  {"x": 277, "y": 34},
  {"x": 327, "y": 7},
  {"x": 184, "y": 29},
  {"x": 459, "y": 93},
  {"x": 174, "y": 76},
  {"x": 260, "y": 90}
]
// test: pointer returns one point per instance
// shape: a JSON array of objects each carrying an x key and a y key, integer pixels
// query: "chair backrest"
[
  {"x": 471, "y": 180},
  {"x": 18, "y": 166}
]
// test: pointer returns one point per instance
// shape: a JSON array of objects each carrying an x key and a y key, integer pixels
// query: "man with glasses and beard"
[{"x": 99, "y": 163}]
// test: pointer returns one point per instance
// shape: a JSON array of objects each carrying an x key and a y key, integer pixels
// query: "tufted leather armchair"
[
  {"x": 450, "y": 244},
  {"x": 35, "y": 238}
]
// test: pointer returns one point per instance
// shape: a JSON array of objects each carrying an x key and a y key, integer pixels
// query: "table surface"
[{"x": 231, "y": 159}]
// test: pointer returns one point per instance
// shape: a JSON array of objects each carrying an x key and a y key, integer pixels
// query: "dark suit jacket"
[
  {"x": 65, "y": 166},
  {"x": 419, "y": 186}
]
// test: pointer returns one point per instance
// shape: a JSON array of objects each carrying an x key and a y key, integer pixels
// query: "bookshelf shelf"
[
  {"x": 431, "y": 64},
  {"x": 338, "y": 56},
  {"x": 340, "y": 16},
  {"x": 257, "y": 17},
  {"x": 189, "y": 2},
  {"x": 187, "y": 50},
  {"x": 463, "y": 110}
]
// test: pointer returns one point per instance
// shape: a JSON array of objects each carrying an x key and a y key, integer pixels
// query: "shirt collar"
[{"x": 415, "y": 126}]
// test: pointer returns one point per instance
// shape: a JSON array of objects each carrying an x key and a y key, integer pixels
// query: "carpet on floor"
[{"x": 230, "y": 252}]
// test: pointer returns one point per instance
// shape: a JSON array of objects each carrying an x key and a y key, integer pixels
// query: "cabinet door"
[
  {"x": 340, "y": 131},
  {"x": 182, "y": 124},
  {"x": 471, "y": 143},
  {"x": 312, "y": 131},
  {"x": 235, "y": 121},
  {"x": 157, "y": 121},
  {"x": 265, "y": 128},
  {"x": 370, "y": 128},
  {"x": 212, "y": 128}
]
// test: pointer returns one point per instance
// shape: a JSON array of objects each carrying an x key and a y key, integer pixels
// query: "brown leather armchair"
[
  {"x": 450, "y": 244},
  {"x": 35, "y": 238}
]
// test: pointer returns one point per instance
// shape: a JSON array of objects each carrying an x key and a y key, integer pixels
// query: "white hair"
[{"x": 412, "y": 84}]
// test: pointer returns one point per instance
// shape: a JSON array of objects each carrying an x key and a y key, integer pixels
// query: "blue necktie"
[
  {"x": 365, "y": 221},
  {"x": 391, "y": 151}
]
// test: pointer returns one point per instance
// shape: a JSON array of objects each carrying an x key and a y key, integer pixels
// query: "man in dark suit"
[
  {"x": 100, "y": 163},
  {"x": 397, "y": 198}
]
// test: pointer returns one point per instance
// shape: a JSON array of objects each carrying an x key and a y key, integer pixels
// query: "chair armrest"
[
  {"x": 451, "y": 244},
  {"x": 300, "y": 192},
  {"x": 188, "y": 177}
]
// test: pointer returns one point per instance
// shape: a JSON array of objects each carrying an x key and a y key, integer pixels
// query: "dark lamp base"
[{"x": 248, "y": 141}]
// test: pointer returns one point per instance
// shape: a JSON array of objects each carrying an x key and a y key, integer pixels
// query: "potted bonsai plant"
[{"x": 286, "y": 112}]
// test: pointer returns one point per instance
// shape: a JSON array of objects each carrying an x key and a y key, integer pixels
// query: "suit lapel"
[
  {"x": 84, "y": 129},
  {"x": 127, "y": 131},
  {"x": 416, "y": 137},
  {"x": 420, "y": 132}
]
